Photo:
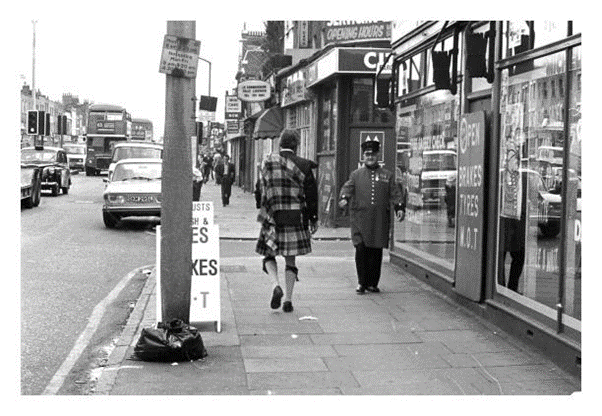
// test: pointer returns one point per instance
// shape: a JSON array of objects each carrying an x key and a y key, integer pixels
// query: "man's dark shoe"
[
  {"x": 287, "y": 306},
  {"x": 360, "y": 289},
  {"x": 276, "y": 297},
  {"x": 373, "y": 289}
]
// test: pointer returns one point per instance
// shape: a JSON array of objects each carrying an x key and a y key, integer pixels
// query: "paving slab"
[
  {"x": 291, "y": 380},
  {"x": 272, "y": 365}
]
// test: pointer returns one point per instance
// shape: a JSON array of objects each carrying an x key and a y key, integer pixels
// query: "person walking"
[
  {"x": 217, "y": 162},
  {"x": 288, "y": 214},
  {"x": 226, "y": 173},
  {"x": 369, "y": 193}
]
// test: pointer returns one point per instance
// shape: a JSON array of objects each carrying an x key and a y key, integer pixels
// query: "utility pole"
[
  {"x": 176, "y": 188},
  {"x": 33, "y": 76}
]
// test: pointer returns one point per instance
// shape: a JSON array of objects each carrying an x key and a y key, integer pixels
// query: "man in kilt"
[{"x": 288, "y": 202}]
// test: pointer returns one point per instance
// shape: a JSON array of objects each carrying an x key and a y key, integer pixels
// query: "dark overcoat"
[{"x": 370, "y": 193}]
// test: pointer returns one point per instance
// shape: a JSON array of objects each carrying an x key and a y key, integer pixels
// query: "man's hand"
[
  {"x": 343, "y": 203},
  {"x": 313, "y": 227},
  {"x": 401, "y": 214}
]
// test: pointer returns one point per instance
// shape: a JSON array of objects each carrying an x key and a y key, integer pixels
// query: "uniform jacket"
[{"x": 370, "y": 193}]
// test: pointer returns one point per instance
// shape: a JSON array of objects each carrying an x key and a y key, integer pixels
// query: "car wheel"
[
  {"x": 65, "y": 190},
  {"x": 550, "y": 229},
  {"x": 37, "y": 192},
  {"x": 88, "y": 172},
  {"x": 109, "y": 219}
]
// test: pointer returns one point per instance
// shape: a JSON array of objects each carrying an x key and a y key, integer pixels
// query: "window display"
[
  {"x": 426, "y": 165},
  {"x": 532, "y": 160}
]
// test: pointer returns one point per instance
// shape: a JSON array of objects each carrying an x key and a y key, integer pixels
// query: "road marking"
[{"x": 59, "y": 377}]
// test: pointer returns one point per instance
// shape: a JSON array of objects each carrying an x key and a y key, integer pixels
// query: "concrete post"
[{"x": 176, "y": 186}]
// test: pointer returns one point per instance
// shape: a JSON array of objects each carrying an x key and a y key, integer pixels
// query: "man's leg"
[
  {"x": 374, "y": 264},
  {"x": 271, "y": 268},
  {"x": 290, "y": 276},
  {"x": 361, "y": 266},
  {"x": 516, "y": 269}
]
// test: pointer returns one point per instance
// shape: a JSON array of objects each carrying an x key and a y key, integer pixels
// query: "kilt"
[{"x": 290, "y": 240}]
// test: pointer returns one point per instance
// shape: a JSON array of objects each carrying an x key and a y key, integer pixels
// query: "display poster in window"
[
  {"x": 512, "y": 139},
  {"x": 470, "y": 205}
]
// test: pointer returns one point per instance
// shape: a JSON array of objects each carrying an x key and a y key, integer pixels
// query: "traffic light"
[
  {"x": 64, "y": 124},
  {"x": 47, "y": 131},
  {"x": 41, "y": 122},
  {"x": 59, "y": 124},
  {"x": 32, "y": 122}
]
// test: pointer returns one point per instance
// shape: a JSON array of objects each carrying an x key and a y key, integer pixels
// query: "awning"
[{"x": 269, "y": 124}]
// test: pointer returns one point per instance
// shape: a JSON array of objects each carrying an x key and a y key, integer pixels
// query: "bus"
[
  {"x": 142, "y": 129},
  {"x": 107, "y": 125}
]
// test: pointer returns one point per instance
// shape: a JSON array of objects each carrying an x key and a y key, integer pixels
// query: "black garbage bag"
[{"x": 169, "y": 342}]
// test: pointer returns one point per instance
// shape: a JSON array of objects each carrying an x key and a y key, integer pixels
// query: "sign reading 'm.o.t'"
[{"x": 470, "y": 205}]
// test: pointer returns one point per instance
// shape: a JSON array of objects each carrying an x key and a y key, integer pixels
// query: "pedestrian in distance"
[
  {"x": 226, "y": 173},
  {"x": 369, "y": 194},
  {"x": 217, "y": 161},
  {"x": 288, "y": 196}
]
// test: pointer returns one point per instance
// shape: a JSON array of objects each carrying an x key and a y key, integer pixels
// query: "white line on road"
[{"x": 82, "y": 342}]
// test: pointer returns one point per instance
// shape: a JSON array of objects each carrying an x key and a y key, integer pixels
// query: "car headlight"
[
  {"x": 115, "y": 199},
  {"x": 158, "y": 197}
]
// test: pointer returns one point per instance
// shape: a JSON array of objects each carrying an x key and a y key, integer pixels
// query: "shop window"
[
  {"x": 523, "y": 35},
  {"x": 426, "y": 166},
  {"x": 363, "y": 109},
  {"x": 480, "y": 83},
  {"x": 532, "y": 162}
]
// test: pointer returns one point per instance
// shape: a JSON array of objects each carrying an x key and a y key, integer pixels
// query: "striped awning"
[{"x": 269, "y": 124}]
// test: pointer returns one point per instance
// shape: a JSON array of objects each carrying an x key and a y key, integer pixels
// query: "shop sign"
[
  {"x": 349, "y": 60},
  {"x": 303, "y": 33},
  {"x": 180, "y": 56},
  {"x": 378, "y": 30},
  {"x": 232, "y": 126},
  {"x": 233, "y": 107},
  {"x": 254, "y": 91},
  {"x": 294, "y": 89},
  {"x": 470, "y": 205}
]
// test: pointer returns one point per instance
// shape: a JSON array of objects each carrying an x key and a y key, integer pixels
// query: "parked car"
[
  {"x": 31, "y": 185},
  {"x": 134, "y": 150},
  {"x": 56, "y": 174},
  {"x": 76, "y": 154},
  {"x": 133, "y": 190}
]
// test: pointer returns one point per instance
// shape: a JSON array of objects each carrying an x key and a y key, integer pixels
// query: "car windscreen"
[
  {"x": 136, "y": 153},
  {"x": 137, "y": 171},
  {"x": 439, "y": 161},
  {"x": 74, "y": 150},
  {"x": 33, "y": 156}
]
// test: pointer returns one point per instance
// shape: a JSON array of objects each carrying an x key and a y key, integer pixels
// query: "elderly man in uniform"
[{"x": 369, "y": 192}]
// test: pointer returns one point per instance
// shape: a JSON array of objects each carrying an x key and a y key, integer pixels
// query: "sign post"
[
  {"x": 179, "y": 59},
  {"x": 205, "y": 305},
  {"x": 470, "y": 206}
]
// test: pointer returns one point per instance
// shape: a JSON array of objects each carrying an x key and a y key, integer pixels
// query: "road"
[{"x": 69, "y": 264}]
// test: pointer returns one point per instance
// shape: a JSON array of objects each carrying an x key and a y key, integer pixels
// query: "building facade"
[{"x": 492, "y": 163}]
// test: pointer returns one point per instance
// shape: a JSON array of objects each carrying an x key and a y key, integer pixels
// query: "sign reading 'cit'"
[
  {"x": 180, "y": 56},
  {"x": 470, "y": 205}
]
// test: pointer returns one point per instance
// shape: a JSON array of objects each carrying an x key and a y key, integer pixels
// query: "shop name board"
[
  {"x": 359, "y": 31},
  {"x": 470, "y": 205},
  {"x": 180, "y": 56},
  {"x": 233, "y": 107},
  {"x": 294, "y": 89},
  {"x": 349, "y": 60},
  {"x": 254, "y": 91},
  {"x": 232, "y": 126}
]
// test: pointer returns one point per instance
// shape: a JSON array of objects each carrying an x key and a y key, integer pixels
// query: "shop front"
[
  {"x": 492, "y": 165},
  {"x": 345, "y": 115}
]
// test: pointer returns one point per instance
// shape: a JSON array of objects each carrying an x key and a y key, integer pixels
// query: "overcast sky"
[{"x": 112, "y": 56}]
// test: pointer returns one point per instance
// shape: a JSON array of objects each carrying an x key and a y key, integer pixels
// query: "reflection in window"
[
  {"x": 363, "y": 109},
  {"x": 328, "y": 120},
  {"x": 532, "y": 144},
  {"x": 426, "y": 166}
]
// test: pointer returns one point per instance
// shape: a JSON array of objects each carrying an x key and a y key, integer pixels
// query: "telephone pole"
[{"x": 176, "y": 188}]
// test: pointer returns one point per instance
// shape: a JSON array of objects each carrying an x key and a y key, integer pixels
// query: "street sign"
[
  {"x": 254, "y": 91},
  {"x": 470, "y": 208},
  {"x": 180, "y": 56},
  {"x": 205, "y": 305}
]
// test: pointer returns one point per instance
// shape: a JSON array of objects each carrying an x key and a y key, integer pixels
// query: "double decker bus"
[
  {"x": 107, "y": 124},
  {"x": 142, "y": 129}
]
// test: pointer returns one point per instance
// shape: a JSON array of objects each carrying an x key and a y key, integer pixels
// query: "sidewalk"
[{"x": 406, "y": 340}]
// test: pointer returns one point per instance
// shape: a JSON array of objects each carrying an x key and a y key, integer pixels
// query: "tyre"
[
  {"x": 109, "y": 219},
  {"x": 28, "y": 202},
  {"x": 89, "y": 172},
  {"x": 65, "y": 190}
]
